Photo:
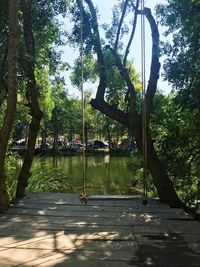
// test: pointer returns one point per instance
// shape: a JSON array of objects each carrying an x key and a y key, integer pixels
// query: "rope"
[
  {"x": 144, "y": 119},
  {"x": 83, "y": 195}
]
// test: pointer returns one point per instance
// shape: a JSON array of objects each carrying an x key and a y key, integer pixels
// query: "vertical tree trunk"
[
  {"x": 12, "y": 99},
  {"x": 44, "y": 140},
  {"x": 35, "y": 111}
]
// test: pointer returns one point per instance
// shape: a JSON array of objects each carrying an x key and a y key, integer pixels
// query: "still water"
[{"x": 103, "y": 175}]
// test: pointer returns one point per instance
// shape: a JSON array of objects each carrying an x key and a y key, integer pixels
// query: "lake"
[{"x": 103, "y": 174}]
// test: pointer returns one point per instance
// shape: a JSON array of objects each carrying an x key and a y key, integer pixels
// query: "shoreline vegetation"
[{"x": 75, "y": 151}]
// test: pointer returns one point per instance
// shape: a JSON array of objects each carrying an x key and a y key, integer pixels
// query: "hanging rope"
[
  {"x": 83, "y": 196},
  {"x": 144, "y": 119}
]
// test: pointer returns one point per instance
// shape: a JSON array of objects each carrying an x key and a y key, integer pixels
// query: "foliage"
[
  {"x": 182, "y": 20},
  {"x": 176, "y": 134},
  {"x": 179, "y": 123},
  {"x": 47, "y": 179},
  {"x": 89, "y": 69},
  {"x": 11, "y": 170},
  {"x": 141, "y": 177}
]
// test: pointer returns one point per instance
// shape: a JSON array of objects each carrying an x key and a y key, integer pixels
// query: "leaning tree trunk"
[
  {"x": 11, "y": 100},
  {"x": 161, "y": 180},
  {"x": 35, "y": 111},
  {"x": 132, "y": 119}
]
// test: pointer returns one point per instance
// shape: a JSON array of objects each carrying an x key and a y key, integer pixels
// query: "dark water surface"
[{"x": 103, "y": 174}]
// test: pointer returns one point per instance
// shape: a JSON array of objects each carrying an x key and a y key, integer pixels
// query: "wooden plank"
[
  {"x": 130, "y": 208},
  {"x": 35, "y": 257},
  {"x": 168, "y": 237},
  {"x": 164, "y": 247},
  {"x": 15, "y": 226},
  {"x": 103, "y": 214},
  {"x": 114, "y": 197},
  {"x": 73, "y": 199},
  {"x": 75, "y": 234},
  {"x": 79, "y": 245},
  {"x": 190, "y": 227},
  {"x": 62, "y": 220},
  {"x": 56, "y": 230},
  {"x": 115, "y": 204},
  {"x": 38, "y": 257}
]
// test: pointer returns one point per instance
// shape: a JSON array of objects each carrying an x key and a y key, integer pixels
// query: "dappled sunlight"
[
  {"x": 148, "y": 218},
  {"x": 41, "y": 232}
]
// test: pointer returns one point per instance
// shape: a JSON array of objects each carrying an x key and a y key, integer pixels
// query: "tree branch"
[
  {"x": 99, "y": 103},
  {"x": 100, "y": 58},
  {"x": 132, "y": 32},
  {"x": 125, "y": 76},
  {"x": 155, "y": 64},
  {"x": 111, "y": 111},
  {"x": 120, "y": 24}
]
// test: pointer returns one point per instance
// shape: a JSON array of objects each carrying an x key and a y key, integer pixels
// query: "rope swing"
[
  {"x": 144, "y": 110},
  {"x": 83, "y": 196}
]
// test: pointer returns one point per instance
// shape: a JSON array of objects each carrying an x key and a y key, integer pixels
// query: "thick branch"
[
  {"x": 132, "y": 32},
  {"x": 155, "y": 64},
  {"x": 111, "y": 111},
  {"x": 100, "y": 58},
  {"x": 120, "y": 24},
  {"x": 30, "y": 50},
  {"x": 126, "y": 77}
]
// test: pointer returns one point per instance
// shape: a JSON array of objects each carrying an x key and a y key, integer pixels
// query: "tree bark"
[
  {"x": 133, "y": 120},
  {"x": 11, "y": 99},
  {"x": 3, "y": 85},
  {"x": 35, "y": 111}
]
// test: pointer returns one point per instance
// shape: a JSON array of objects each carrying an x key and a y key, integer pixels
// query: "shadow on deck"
[{"x": 111, "y": 231}]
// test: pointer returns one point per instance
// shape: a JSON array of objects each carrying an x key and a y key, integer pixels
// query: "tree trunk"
[
  {"x": 11, "y": 100},
  {"x": 35, "y": 111},
  {"x": 3, "y": 84},
  {"x": 161, "y": 180}
]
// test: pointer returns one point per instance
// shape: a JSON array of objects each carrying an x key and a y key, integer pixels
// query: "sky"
[{"x": 105, "y": 12}]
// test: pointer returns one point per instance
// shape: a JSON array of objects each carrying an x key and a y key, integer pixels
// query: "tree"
[
  {"x": 32, "y": 93},
  {"x": 6, "y": 128},
  {"x": 132, "y": 119},
  {"x": 35, "y": 16}
]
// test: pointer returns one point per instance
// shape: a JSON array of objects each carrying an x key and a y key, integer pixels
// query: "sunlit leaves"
[
  {"x": 89, "y": 69},
  {"x": 182, "y": 20}
]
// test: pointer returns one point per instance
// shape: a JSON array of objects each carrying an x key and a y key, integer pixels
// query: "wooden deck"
[{"x": 57, "y": 230}]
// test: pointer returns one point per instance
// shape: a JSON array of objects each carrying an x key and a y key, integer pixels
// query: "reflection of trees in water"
[{"x": 104, "y": 174}]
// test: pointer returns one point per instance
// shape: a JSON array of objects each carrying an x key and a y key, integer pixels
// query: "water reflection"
[{"x": 104, "y": 174}]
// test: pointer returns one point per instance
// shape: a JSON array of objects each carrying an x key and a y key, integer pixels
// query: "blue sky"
[{"x": 105, "y": 12}]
